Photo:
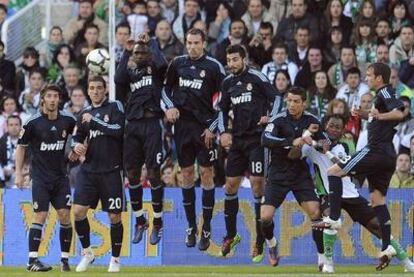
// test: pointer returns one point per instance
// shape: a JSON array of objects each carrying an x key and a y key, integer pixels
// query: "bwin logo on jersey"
[
  {"x": 196, "y": 84},
  {"x": 94, "y": 133},
  {"x": 243, "y": 98},
  {"x": 59, "y": 145},
  {"x": 144, "y": 82}
]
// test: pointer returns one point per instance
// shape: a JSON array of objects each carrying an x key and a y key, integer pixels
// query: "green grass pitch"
[{"x": 215, "y": 271}]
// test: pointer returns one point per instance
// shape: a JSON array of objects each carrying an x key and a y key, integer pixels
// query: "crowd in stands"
[{"x": 322, "y": 46}]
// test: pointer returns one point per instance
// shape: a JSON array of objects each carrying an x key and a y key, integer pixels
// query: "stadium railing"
[{"x": 30, "y": 26}]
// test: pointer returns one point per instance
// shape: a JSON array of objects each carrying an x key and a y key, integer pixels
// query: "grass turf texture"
[{"x": 214, "y": 271}]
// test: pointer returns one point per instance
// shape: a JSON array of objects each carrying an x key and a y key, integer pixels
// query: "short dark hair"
[
  {"x": 38, "y": 71},
  {"x": 13, "y": 116},
  {"x": 237, "y": 20},
  {"x": 196, "y": 32},
  {"x": 50, "y": 87},
  {"x": 123, "y": 25},
  {"x": 98, "y": 78},
  {"x": 3, "y": 7},
  {"x": 303, "y": 27},
  {"x": 353, "y": 70},
  {"x": 55, "y": 28},
  {"x": 407, "y": 26},
  {"x": 280, "y": 45},
  {"x": 347, "y": 46},
  {"x": 266, "y": 25},
  {"x": 237, "y": 48},
  {"x": 405, "y": 99},
  {"x": 298, "y": 91},
  {"x": 381, "y": 69},
  {"x": 336, "y": 116},
  {"x": 85, "y": 1},
  {"x": 91, "y": 26}
]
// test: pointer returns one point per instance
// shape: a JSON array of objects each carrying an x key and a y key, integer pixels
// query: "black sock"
[
  {"x": 189, "y": 206},
  {"x": 335, "y": 196},
  {"x": 208, "y": 206},
  {"x": 259, "y": 236},
  {"x": 117, "y": 231},
  {"x": 384, "y": 219},
  {"x": 65, "y": 237},
  {"x": 157, "y": 195},
  {"x": 35, "y": 237},
  {"x": 267, "y": 229},
  {"x": 83, "y": 230},
  {"x": 317, "y": 236},
  {"x": 231, "y": 208},
  {"x": 135, "y": 195}
]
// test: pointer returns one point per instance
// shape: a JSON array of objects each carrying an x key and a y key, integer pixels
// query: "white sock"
[
  {"x": 406, "y": 261},
  {"x": 138, "y": 213},
  {"x": 65, "y": 255},
  {"x": 33, "y": 254},
  {"x": 271, "y": 243}
]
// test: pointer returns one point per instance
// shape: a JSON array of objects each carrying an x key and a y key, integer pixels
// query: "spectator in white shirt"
[{"x": 353, "y": 88}]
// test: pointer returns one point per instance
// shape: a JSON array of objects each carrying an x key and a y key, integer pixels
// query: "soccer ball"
[{"x": 98, "y": 61}]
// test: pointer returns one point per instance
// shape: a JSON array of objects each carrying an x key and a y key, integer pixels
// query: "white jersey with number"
[{"x": 323, "y": 163}]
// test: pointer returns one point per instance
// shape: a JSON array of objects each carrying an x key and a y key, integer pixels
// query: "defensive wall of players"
[{"x": 292, "y": 229}]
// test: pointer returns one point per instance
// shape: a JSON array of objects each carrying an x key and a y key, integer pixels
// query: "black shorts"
[
  {"x": 377, "y": 164},
  {"x": 303, "y": 191},
  {"x": 245, "y": 153},
  {"x": 359, "y": 209},
  {"x": 190, "y": 145},
  {"x": 144, "y": 143},
  {"x": 57, "y": 194},
  {"x": 107, "y": 187}
]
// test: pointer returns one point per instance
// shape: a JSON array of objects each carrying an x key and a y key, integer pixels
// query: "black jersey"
[
  {"x": 191, "y": 86},
  {"x": 381, "y": 131},
  {"x": 249, "y": 95},
  {"x": 279, "y": 135},
  {"x": 103, "y": 135},
  {"x": 145, "y": 83},
  {"x": 46, "y": 140}
]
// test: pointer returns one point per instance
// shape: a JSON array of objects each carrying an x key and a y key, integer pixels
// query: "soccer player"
[
  {"x": 249, "y": 94},
  {"x": 285, "y": 134},
  {"x": 376, "y": 160},
  {"x": 143, "y": 142},
  {"x": 98, "y": 137},
  {"x": 46, "y": 133},
  {"x": 356, "y": 206},
  {"x": 191, "y": 86}
]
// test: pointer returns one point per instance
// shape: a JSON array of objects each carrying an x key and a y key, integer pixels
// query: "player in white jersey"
[{"x": 356, "y": 206}]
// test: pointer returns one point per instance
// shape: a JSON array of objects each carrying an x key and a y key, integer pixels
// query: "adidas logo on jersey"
[
  {"x": 59, "y": 145},
  {"x": 53, "y": 128},
  {"x": 196, "y": 83},
  {"x": 144, "y": 82},
  {"x": 94, "y": 133},
  {"x": 243, "y": 98}
]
